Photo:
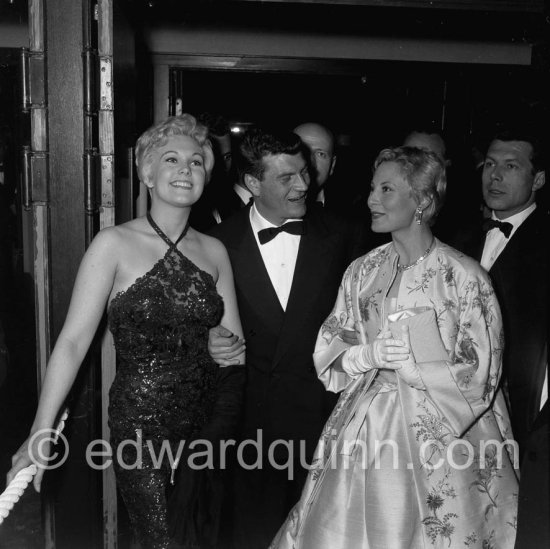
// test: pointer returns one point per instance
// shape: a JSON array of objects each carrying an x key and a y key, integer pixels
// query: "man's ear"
[
  {"x": 252, "y": 183},
  {"x": 539, "y": 181},
  {"x": 332, "y": 164}
]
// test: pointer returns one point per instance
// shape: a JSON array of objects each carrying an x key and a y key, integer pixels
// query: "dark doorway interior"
[
  {"x": 18, "y": 381},
  {"x": 372, "y": 105}
]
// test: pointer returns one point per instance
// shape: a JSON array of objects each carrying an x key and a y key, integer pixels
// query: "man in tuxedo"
[
  {"x": 288, "y": 260},
  {"x": 512, "y": 246}
]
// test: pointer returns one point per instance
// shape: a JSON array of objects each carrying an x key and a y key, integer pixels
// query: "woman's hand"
[
  {"x": 224, "y": 346},
  {"x": 35, "y": 450},
  {"x": 387, "y": 351},
  {"x": 383, "y": 353},
  {"x": 408, "y": 369}
]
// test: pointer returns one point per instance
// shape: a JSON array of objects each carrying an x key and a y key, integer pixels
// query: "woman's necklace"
[{"x": 401, "y": 268}]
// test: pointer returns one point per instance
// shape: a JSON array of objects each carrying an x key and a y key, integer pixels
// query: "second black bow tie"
[
  {"x": 292, "y": 227},
  {"x": 504, "y": 226}
]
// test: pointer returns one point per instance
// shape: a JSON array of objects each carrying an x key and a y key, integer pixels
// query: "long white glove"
[{"x": 383, "y": 352}]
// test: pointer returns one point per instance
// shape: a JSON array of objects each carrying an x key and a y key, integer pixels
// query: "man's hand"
[{"x": 224, "y": 346}]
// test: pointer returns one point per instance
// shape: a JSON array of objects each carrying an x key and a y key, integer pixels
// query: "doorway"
[{"x": 18, "y": 377}]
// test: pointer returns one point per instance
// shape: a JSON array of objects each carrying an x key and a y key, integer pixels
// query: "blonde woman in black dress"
[{"x": 165, "y": 285}]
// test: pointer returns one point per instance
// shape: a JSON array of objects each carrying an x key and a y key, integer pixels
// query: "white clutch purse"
[{"x": 426, "y": 343}]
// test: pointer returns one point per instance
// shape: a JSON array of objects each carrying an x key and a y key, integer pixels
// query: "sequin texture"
[{"x": 164, "y": 386}]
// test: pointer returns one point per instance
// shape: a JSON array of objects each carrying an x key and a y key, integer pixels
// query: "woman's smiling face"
[
  {"x": 176, "y": 172},
  {"x": 391, "y": 200}
]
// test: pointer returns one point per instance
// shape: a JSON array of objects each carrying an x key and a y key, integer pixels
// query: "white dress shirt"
[
  {"x": 279, "y": 255},
  {"x": 496, "y": 241}
]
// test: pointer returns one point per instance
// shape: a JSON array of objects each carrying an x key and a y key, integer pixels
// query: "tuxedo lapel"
[
  {"x": 475, "y": 244},
  {"x": 481, "y": 245},
  {"x": 506, "y": 255},
  {"x": 315, "y": 254},
  {"x": 520, "y": 244},
  {"x": 251, "y": 277}
]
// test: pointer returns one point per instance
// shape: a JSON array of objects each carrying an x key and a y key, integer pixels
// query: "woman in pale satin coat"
[{"x": 418, "y": 451}]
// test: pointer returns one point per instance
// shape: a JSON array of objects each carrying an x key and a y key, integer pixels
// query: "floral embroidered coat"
[{"x": 402, "y": 467}]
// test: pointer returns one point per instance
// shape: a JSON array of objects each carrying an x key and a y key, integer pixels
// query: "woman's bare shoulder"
[
  {"x": 119, "y": 237},
  {"x": 133, "y": 228}
]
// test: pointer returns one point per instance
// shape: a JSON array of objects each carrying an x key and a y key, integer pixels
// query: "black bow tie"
[
  {"x": 504, "y": 226},
  {"x": 292, "y": 227}
]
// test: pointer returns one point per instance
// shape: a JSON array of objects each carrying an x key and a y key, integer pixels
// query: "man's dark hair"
[
  {"x": 518, "y": 133},
  {"x": 258, "y": 143}
]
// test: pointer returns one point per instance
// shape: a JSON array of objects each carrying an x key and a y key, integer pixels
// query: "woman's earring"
[{"x": 418, "y": 215}]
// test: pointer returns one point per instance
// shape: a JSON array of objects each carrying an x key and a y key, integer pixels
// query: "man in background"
[
  {"x": 319, "y": 141},
  {"x": 513, "y": 246},
  {"x": 335, "y": 195},
  {"x": 225, "y": 193}
]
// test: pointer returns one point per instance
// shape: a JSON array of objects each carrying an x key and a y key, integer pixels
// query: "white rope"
[
  {"x": 60, "y": 425},
  {"x": 13, "y": 492},
  {"x": 10, "y": 496}
]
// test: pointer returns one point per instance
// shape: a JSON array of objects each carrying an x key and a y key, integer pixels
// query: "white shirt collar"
[
  {"x": 321, "y": 197},
  {"x": 517, "y": 219},
  {"x": 259, "y": 222}
]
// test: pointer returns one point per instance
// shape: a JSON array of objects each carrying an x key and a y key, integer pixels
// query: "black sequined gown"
[{"x": 163, "y": 391}]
